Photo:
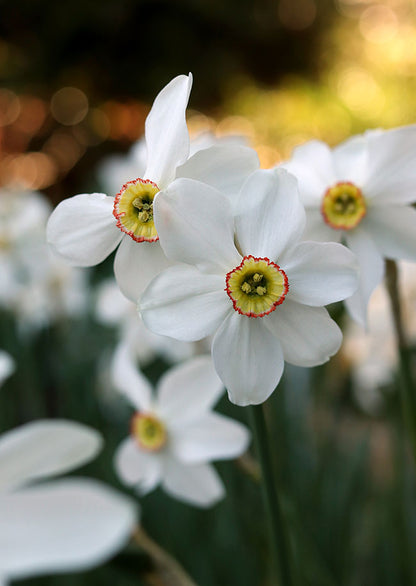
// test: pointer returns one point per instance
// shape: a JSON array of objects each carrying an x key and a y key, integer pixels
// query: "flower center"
[
  {"x": 257, "y": 286},
  {"x": 133, "y": 210},
  {"x": 343, "y": 206},
  {"x": 148, "y": 431}
]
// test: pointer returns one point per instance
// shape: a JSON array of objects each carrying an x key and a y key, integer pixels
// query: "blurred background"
[{"x": 77, "y": 82}]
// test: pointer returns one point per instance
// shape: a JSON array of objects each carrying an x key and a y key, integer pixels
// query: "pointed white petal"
[
  {"x": 313, "y": 167},
  {"x": 82, "y": 229},
  {"x": 138, "y": 468},
  {"x": 195, "y": 225},
  {"x": 212, "y": 437},
  {"x": 308, "y": 335},
  {"x": 269, "y": 215},
  {"x": 136, "y": 264},
  {"x": 185, "y": 304},
  {"x": 248, "y": 359},
  {"x": 128, "y": 379},
  {"x": 320, "y": 273},
  {"x": 317, "y": 230},
  {"x": 224, "y": 167},
  {"x": 197, "y": 485},
  {"x": 7, "y": 366},
  {"x": 391, "y": 166},
  {"x": 187, "y": 391},
  {"x": 44, "y": 448},
  {"x": 167, "y": 137},
  {"x": 62, "y": 526},
  {"x": 393, "y": 229},
  {"x": 371, "y": 267}
]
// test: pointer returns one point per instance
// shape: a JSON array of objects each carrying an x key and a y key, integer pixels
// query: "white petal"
[
  {"x": 212, "y": 437},
  {"x": 44, "y": 448},
  {"x": 269, "y": 215},
  {"x": 63, "y": 526},
  {"x": 128, "y": 379},
  {"x": 248, "y": 359},
  {"x": 320, "y": 273},
  {"x": 224, "y": 167},
  {"x": 197, "y": 485},
  {"x": 7, "y": 366},
  {"x": 136, "y": 264},
  {"x": 317, "y": 229},
  {"x": 187, "y": 391},
  {"x": 350, "y": 160},
  {"x": 371, "y": 272},
  {"x": 195, "y": 225},
  {"x": 185, "y": 304},
  {"x": 136, "y": 467},
  {"x": 391, "y": 166},
  {"x": 83, "y": 230},
  {"x": 393, "y": 229},
  {"x": 313, "y": 167},
  {"x": 307, "y": 335},
  {"x": 167, "y": 137}
]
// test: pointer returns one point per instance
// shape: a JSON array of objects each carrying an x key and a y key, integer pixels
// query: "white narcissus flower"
[
  {"x": 86, "y": 228},
  {"x": 62, "y": 525},
  {"x": 174, "y": 433},
  {"x": 251, "y": 281},
  {"x": 359, "y": 193}
]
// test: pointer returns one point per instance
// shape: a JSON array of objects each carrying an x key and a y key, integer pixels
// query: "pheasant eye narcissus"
[
  {"x": 133, "y": 210},
  {"x": 343, "y": 206}
]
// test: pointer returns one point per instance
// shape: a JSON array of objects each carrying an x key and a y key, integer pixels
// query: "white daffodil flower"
[
  {"x": 86, "y": 228},
  {"x": 174, "y": 433},
  {"x": 7, "y": 366},
  {"x": 252, "y": 281},
  {"x": 58, "y": 526},
  {"x": 359, "y": 193}
]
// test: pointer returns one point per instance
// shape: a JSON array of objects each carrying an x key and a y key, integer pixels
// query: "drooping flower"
[
  {"x": 250, "y": 280},
  {"x": 174, "y": 434},
  {"x": 359, "y": 193},
  {"x": 58, "y": 526},
  {"x": 86, "y": 228}
]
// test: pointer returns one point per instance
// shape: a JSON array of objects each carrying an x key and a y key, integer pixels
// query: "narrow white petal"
[
  {"x": 312, "y": 164},
  {"x": 62, "y": 526},
  {"x": 211, "y": 437},
  {"x": 187, "y": 391},
  {"x": 167, "y": 137},
  {"x": 7, "y": 366},
  {"x": 393, "y": 229},
  {"x": 248, "y": 359},
  {"x": 82, "y": 229},
  {"x": 197, "y": 485},
  {"x": 308, "y": 335},
  {"x": 391, "y": 166},
  {"x": 371, "y": 267},
  {"x": 128, "y": 379},
  {"x": 184, "y": 303},
  {"x": 136, "y": 264},
  {"x": 269, "y": 215},
  {"x": 195, "y": 225},
  {"x": 224, "y": 167},
  {"x": 138, "y": 468},
  {"x": 44, "y": 448},
  {"x": 320, "y": 273}
]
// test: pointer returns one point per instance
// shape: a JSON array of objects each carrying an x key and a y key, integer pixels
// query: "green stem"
[
  {"x": 407, "y": 387},
  {"x": 280, "y": 540}
]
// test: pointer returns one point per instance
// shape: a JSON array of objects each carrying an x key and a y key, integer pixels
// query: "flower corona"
[
  {"x": 133, "y": 210},
  {"x": 343, "y": 206}
]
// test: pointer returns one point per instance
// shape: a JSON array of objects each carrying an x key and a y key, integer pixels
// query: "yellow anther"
[
  {"x": 143, "y": 216},
  {"x": 245, "y": 287},
  {"x": 261, "y": 290},
  {"x": 138, "y": 203},
  {"x": 257, "y": 277}
]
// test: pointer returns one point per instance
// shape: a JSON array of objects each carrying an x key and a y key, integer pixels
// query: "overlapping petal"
[
  {"x": 269, "y": 215},
  {"x": 167, "y": 137},
  {"x": 393, "y": 229},
  {"x": 82, "y": 229},
  {"x": 138, "y": 468},
  {"x": 308, "y": 336},
  {"x": 184, "y": 303},
  {"x": 197, "y": 485},
  {"x": 248, "y": 358},
  {"x": 44, "y": 448},
  {"x": 350, "y": 160},
  {"x": 129, "y": 380},
  {"x": 316, "y": 228}
]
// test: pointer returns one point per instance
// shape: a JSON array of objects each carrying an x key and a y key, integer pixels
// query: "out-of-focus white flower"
[
  {"x": 86, "y": 228},
  {"x": 174, "y": 433},
  {"x": 7, "y": 366},
  {"x": 359, "y": 193},
  {"x": 252, "y": 281},
  {"x": 58, "y": 526}
]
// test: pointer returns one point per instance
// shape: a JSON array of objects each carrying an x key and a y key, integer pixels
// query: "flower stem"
[
  {"x": 279, "y": 535},
  {"x": 407, "y": 387}
]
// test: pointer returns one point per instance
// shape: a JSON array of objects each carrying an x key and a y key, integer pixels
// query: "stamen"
[
  {"x": 133, "y": 209},
  {"x": 148, "y": 431},
  {"x": 343, "y": 206}
]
